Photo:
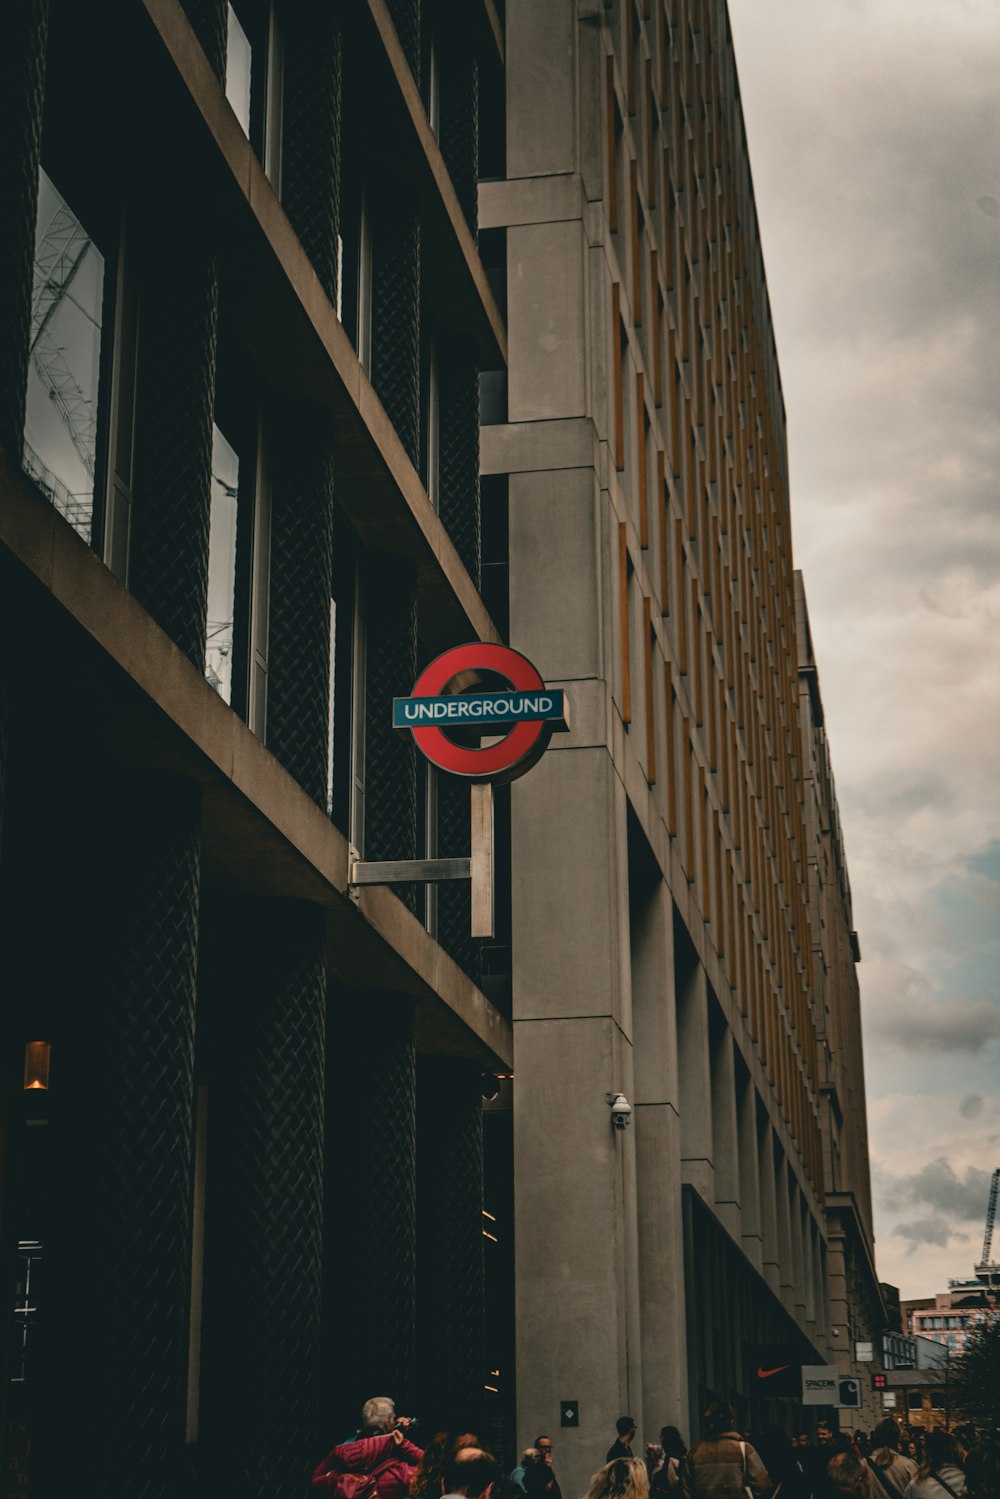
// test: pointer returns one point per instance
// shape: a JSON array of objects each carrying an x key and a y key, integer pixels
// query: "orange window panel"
[
  {"x": 657, "y": 313},
  {"x": 611, "y": 126},
  {"x": 705, "y": 883},
  {"x": 671, "y": 767},
  {"x": 647, "y": 637},
  {"x": 618, "y": 392},
  {"x": 681, "y": 635},
  {"x": 623, "y": 624},
  {"x": 698, "y": 657},
  {"x": 651, "y": 113},
  {"x": 640, "y": 431},
  {"x": 689, "y": 851},
  {"x": 636, "y": 242},
  {"x": 663, "y": 499}
]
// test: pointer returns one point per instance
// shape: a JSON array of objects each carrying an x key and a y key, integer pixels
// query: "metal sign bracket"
[{"x": 478, "y": 868}]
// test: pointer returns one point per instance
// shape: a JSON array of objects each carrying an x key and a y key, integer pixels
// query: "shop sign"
[{"x": 820, "y": 1384}]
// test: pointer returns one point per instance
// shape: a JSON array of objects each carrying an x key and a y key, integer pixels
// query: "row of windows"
[{"x": 85, "y": 363}]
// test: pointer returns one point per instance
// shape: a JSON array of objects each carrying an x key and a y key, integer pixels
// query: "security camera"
[{"x": 621, "y": 1110}]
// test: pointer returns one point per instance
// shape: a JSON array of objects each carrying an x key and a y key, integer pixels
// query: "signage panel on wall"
[{"x": 820, "y": 1384}]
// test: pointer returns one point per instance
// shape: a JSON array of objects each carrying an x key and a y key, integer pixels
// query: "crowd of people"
[{"x": 381, "y": 1462}]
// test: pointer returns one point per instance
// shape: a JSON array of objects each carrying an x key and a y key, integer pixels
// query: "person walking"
[
  {"x": 664, "y": 1462},
  {"x": 723, "y": 1465},
  {"x": 939, "y": 1474},
  {"x": 622, "y": 1445},
  {"x": 887, "y": 1465}
]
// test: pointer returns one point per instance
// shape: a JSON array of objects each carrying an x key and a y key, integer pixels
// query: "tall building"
[
  {"x": 242, "y": 318},
  {"x": 859, "y": 1307},
  {"x": 667, "y": 855}
]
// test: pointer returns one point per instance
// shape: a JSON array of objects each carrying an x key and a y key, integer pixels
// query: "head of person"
[
  {"x": 982, "y": 1470},
  {"x": 623, "y": 1478},
  {"x": 471, "y": 1471},
  {"x": 672, "y": 1442},
  {"x": 887, "y": 1435},
  {"x": 803, "y": 1439},
  {"x": 719, "y": 1417},
  {"x": 539, "y": 1478},
  {"x": 427, "y": 1478},
  {"x": 625, "y": 1428},
  {"x": 939, "y": 1452},
  {"x": 847, "y": 1474},
  {"x": 378, "y": 1416},
  {"x": 543, "y": 1444},
  {"x": 824, "y": 1433}
]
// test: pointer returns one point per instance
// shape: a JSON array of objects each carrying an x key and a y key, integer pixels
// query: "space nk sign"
[{"x": 820, "y": 1384}]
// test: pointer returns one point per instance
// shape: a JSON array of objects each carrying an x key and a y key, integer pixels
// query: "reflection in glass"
[
  {"x": 60, "y": 434},
  {"x": 239, "y": 56},
  {"x": 222, "y": 566}
]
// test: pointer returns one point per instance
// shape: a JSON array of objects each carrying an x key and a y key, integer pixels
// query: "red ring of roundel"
[{"x": 517, "y": 751}]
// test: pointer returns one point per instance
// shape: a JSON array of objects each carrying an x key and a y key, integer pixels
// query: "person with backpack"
[
  {"x": 379, "y": 1463},
  {"x": 723, "y": 1465},
  {"x": 939, "y": 1474},
  {"x": 887, "y": 1466}
]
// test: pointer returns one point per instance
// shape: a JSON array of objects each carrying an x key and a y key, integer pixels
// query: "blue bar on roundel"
[{"x": 481, "y": 710}]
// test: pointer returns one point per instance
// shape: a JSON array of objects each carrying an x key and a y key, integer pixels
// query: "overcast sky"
[{"x": 874, "y": 130}]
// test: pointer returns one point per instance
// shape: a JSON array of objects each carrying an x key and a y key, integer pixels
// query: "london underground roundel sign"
[{"x": 526, "y": 715}]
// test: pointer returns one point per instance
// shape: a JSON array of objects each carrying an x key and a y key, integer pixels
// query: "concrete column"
[
  {"x": 750, "y": 1197},
  {"x": 725, "y": 1132},
  {"x": 575, "y": 1281},
  {"x": 657, "y": 1149},
  {"x": 697, "y": 1155}
]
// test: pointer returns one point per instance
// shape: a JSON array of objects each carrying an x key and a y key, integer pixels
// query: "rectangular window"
[
  {"x": 253, "y": 78},
  {"x": 239, "y": 544},
  {"x": 222, "y": 565},
  {"x": 63, "y": 396},
  {"x": 342, "y": 684}
]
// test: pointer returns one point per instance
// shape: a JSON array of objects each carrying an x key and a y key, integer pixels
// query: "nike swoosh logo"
[{"x": 763, "y": 1373}]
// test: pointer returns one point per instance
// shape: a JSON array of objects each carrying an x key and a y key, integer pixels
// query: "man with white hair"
[{"x": 377, "y": 1464}]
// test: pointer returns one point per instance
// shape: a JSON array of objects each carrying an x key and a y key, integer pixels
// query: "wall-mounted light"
[{"x": 37, "y": 1058}]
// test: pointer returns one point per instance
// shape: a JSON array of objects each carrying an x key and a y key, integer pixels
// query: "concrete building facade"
[
  {"x": 245, "y": 1181},
  {"x": 667, "y": 887}
]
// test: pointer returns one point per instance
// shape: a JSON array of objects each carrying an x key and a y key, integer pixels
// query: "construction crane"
[{"x": 988, "y": 1271}]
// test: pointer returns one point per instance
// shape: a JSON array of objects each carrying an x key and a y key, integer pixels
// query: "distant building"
[{"x": 953, "y": 1316}]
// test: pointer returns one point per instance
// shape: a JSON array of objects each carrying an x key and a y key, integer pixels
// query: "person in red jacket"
[{"x": 379, "y": 1454}]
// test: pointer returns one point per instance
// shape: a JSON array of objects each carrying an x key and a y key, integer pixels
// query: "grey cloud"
[
  {"x": 962, "y": 1025},
  {"x": 924, "y": 1231},
  {"x": 937, "y": 1186},
  {"x": 971, "y": 1107}
]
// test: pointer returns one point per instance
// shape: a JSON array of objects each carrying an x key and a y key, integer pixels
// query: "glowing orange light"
[{"x": 37, "y": 1058}]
